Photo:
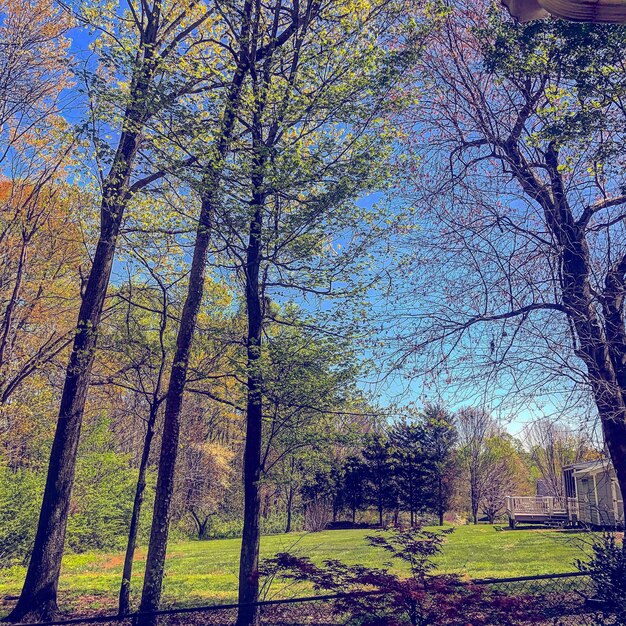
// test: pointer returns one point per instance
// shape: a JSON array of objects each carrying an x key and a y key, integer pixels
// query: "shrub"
[
  {"x": 100, "y": 507},
  {"x": 375, "y": 596},
  {"x": 101, "y": 502},
  {"x": 607, "y": 568},
  {"x": 20, "y": 497}
]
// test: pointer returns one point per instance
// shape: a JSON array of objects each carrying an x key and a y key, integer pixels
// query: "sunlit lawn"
[{"x": 206, "y": 572}]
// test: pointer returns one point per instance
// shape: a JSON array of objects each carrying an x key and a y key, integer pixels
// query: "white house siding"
[{"x": 599, "y": 498}]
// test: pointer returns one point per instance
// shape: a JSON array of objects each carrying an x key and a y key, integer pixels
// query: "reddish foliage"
[{"x": 421, "y": 599}]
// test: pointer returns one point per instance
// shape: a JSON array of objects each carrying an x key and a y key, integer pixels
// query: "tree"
[
  {"x": 294, "y": 472},
  {"x": 155, "y": 35},
  {"x": 308, "y": 383},
  {"x": 246, "y": 51},
  {"x": 35, "y": 71},
  {"x": 552, "y": 447},
  {"x": 39, "y": 290},
  {"x": 319, "y": 494},
  {"x": 137, "y": 334},
  {"x": 206, "y": 471},
  {"x": 407, "y": 441},
  {"x": 302, "y": 175},
  {"x": 523, "y": 205},
  {"x": 418, "y": 598},
  {"x": 143, "y": 373},
  {"x": 354, "y": 485},
  {"x": 476, "y": 427},
  {"x": 439, "y": 456},
  {"x": 39, "y": 280},
  {"x": 492, "y": 463},
  {"x": 507, "y": 475},
  {"x": 379, "y": 467}
]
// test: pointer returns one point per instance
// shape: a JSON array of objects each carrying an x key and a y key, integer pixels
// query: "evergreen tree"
[
  {"x": 439, "y": 457},
  {"x": 381, "y": 488},
  {"x": 408, "y": 443},
  {"x": 354, "y": 485}
]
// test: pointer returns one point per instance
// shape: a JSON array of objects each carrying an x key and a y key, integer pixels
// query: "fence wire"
[
  {"x": 549, "y": 600},
  {"x": 557, "y": 599}
]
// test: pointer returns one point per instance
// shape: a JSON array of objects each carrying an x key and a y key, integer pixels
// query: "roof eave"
[{"x": 600, "y": 11}]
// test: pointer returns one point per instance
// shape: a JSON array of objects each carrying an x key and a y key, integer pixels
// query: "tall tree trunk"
[
  {"x": 474, "y": 494},
  {"x": 124, "y": 599},
  {"x": 155, "y": 563},
  {"x": 615, "y": 434},
  {"x": 603, "y": 350},
  {"x": 251, "y": 536},
  {"x": 38, "y": 600}
]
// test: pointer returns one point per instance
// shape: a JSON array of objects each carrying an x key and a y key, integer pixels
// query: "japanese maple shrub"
[{"x": 377, "y": 596}]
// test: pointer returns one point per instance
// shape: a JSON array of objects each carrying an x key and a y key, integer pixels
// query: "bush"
[
  {"x": 103, "y": 494},
  {"x": 100, "y": 507},
  {"x": 607, "y": 568},
  {"x": 101, "y": 504},
  {"x": 20, "y": 498}
]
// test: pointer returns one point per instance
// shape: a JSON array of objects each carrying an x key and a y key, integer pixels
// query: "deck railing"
[{"x": 541, "y": 506}]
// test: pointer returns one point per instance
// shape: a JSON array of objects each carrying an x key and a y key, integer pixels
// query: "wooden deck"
[{"x": 551, "y": 511}]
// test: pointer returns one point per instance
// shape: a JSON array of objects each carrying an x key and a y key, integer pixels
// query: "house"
[
  {"x": 594, "y": 486},
  {"x": 592, "y": 497}
]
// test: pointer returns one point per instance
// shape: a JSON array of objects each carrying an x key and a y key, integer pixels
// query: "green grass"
[{"x": 206, "y": 572}]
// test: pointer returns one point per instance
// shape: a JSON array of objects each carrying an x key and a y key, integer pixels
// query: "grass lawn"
[{"x": 206, "y": 572}]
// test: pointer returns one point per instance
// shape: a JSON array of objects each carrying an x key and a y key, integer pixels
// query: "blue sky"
[{"x": 396, "y": 387}]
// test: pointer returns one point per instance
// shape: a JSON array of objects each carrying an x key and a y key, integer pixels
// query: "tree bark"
[
  {"x": 603, "y": 350},
  {"x": 124, "y": 598},
  {"x": 251, "y": 536},
  {"x": 38, "y": 600},
  {"x": 440, "y": 499},
  {"x": 474, "y": 495},
  {"x": 201, "y": 525},
  {"x": 155, "y": 563}
]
